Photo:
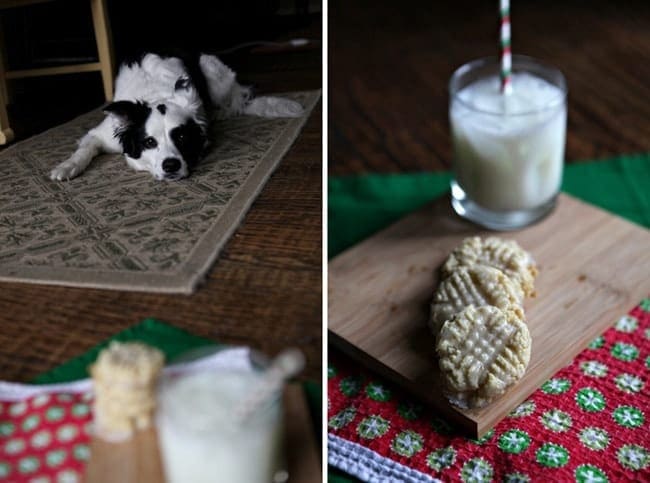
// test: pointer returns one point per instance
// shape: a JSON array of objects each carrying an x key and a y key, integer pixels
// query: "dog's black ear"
[
  {"x": 132, "y": 112},
  {"x": 130, "y": 129}
]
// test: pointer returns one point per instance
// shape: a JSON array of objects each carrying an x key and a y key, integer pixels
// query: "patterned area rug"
[{"x": 115, "y": 228}]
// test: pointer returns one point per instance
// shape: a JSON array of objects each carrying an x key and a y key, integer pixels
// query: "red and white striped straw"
[{"x": 506, "y": 53}]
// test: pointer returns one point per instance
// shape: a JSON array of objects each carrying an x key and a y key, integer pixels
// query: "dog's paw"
[
  {"x": 274, "y": 107},
  {"x": 66, "y": 171}
]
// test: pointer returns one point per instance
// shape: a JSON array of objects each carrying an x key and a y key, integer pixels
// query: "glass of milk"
[
  {"x": 508, "y": 149},
  {"x": 201, "y": 440}
]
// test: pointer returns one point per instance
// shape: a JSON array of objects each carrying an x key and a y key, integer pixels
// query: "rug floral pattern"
[{"x": 114, "y": 220}]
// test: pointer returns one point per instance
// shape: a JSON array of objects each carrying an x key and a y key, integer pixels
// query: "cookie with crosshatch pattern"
[
  {"x": 504, "y": 255},
  {"x": 478, "y": 285},
  {"x": 483, "y": 351}
]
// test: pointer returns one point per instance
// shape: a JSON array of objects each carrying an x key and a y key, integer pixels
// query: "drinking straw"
[
  {"x": 284, "y": 366},
  {"x": 506, "y": 54}
]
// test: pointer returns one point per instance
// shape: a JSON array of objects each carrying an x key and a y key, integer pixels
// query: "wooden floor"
[
  {"x": 390, "y": 62},
  {"x": 264, "y": 290}
]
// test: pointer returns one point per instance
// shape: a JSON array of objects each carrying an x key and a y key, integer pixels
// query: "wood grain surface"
[
  {"x": 591, "y": 272},
  {"x": 390, "y": 62},
  {"x": 139, "y": 459},
  {"x": 263, "y": 291}
]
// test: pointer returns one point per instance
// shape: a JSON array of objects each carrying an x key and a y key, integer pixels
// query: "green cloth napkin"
[
  {"x": 172, "y": 341},
  {"x": 361, "y": 205}
]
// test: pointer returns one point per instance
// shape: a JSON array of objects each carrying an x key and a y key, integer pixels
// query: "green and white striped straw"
[{"x": 506, "y": 53}]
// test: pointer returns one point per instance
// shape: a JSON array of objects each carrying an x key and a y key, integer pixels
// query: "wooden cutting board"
[
  {"x": 138, "y": 460},
  {"x": 593, "y": 267}
]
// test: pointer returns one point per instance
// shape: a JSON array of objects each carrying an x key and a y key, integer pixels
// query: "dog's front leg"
[
  {"x": 98, "y": 140},
  {"x": 89, "y": 147}
]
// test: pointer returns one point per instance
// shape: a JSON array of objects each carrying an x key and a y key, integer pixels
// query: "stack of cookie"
[
  {"x": 478, "y": 319},
  {"x": 124, "y": 377}
]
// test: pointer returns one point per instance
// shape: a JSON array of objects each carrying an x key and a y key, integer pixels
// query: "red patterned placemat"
[
  {"x": 589, "y": 423},
  {"x": 45, "y": 430},
  {"x": 45, "y": 439}
]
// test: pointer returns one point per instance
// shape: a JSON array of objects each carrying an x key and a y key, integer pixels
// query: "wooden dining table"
[
  {"x": 264, "y": 290},
  {"x": 390, "y": 62}
]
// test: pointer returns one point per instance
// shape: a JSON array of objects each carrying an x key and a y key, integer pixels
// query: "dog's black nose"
[{"x": 171, "y": 165}]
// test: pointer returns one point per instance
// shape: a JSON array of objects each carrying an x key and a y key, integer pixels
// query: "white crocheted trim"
[
  {"x": 232, "y": 359},
  {"x": 369, "y": 466}
]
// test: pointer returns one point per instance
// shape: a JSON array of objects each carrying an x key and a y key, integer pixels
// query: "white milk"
[
  {"x": 201, "y": 442},
  {"x": 509, "y": 150}
]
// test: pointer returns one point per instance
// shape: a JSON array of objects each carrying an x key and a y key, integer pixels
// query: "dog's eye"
[
  {"x": 150, "y": 143},
  {"x": 180, "y": 137}
]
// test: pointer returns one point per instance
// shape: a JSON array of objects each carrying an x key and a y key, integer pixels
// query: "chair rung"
[
  {"x": 58, "y": 70},
  {"x": 19, "y": 3}
]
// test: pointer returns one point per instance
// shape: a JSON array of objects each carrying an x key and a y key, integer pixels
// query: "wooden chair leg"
[
  {"x": 104, "y": 45},
  {"x": 6, "y": 133}
]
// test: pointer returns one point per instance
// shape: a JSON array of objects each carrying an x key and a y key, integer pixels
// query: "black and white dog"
[{"x": 160, "y": 113}]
